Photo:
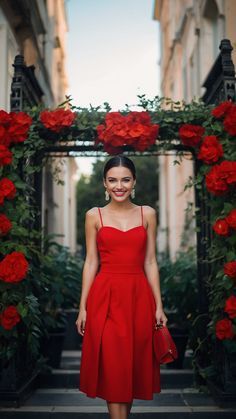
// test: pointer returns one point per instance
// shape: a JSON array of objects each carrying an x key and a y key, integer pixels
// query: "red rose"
[
  {"x": 112, "y": 118},
  {"x": 14, "y": 127},
  {"x": 230, "y": 306},
  {"x": 211, "y": 150},
  {"x": 230, "y": 269},
  {"x": 4, "y": 137},
  {"x": 224, "y": 329},
  {"x": 214, "y": 183},
  {"x": 5, "y": 155},
  {"x": 134, "y": 129},
  {"x": 230, "y": 121},
  {"x": 228, "y": 171},
  {"x": 5, "y": 225},
  {"x": 58, "y": 119},
  {"x": 221, "y": 227},
  {"x": 191, "y": 135},
  {"x": 142, "y": 117},
  {"x": 7, "y": 188},
  {"x": 21, "y": 118},
  {"x": 9, "y": 317},
  {"x": 231, "y": 218},
  {"x": 220, "y": 176},
  {"x": 19, "y": 126},
  {"x": 14, "y": 267},
  {"x": 222, "y": 109},
  {"x": 5, "y": 118}
]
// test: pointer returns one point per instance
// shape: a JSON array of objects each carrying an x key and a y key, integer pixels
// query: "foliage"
[
  {"x": 179, "y": 288},
  {"x": 60, "y": 274}
]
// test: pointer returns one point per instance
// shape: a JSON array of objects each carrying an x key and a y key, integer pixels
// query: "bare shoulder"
[
  {"x": 149, "y": 211},
  {"x": 91, "y": 215},
  {"x": 150, "y": 215}
]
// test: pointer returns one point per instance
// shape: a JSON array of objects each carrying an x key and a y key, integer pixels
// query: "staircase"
[{"x": 57, "y": 397}]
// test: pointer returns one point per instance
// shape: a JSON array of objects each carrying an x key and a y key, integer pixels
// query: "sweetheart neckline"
[{"x": 122, "y": 231}]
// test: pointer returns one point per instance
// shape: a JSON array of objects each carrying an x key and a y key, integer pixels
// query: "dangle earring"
[
  {"x": 107, "y": 196},
  {"x": 133, "y": 193}
]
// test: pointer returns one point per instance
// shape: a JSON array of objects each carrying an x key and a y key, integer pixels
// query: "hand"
[
  {"x": 161, "y": 319},
  {"x": 80, "y": 322}
]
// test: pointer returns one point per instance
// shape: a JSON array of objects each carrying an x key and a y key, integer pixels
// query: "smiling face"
[{"x": 119, "y": 183}]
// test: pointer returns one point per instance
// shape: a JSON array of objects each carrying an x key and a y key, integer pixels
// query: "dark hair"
[{"x": 119, "y": 160}]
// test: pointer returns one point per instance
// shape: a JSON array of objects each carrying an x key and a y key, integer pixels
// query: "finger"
[
  {"x": 83, "y": 326},
  {"x": 79, "y": 328},
  {"x": 78, "y": 324}
]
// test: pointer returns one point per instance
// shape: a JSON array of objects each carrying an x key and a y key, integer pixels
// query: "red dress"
[{"x": 117, "y": 359}]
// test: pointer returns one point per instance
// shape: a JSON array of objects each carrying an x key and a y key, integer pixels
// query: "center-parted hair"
[{"x": 119, "y": 160}]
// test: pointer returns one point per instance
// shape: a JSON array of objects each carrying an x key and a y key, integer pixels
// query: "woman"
[{"x": 120, "y": 303}]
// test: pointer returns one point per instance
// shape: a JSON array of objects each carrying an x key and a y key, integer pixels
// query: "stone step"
[
  {"x": 67, "y": 376},
  {"x": 73, "y": 404},
  {"x": 71, "y": 359},
  {"x": 70, "y": 379}
]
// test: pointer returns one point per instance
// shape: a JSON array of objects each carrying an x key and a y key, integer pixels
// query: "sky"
[{"x": 112, "y": 53}]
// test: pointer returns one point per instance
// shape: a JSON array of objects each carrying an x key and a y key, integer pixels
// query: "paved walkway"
[{"x": 178, "y": 399}]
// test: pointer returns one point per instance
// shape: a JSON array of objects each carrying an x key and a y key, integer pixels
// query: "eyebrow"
[{"x": 125, "y": 177}]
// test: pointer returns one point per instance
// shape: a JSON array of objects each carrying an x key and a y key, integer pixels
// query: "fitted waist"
[{"x": 121, "y": 267}]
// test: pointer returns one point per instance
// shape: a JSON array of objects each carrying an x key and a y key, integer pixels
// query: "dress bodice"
[{"x": 124, "y": 249}]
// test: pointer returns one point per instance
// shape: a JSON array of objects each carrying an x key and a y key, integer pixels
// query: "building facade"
[
  {"x": 37, "y": 30},
  {"x": 190, "y": 35}
]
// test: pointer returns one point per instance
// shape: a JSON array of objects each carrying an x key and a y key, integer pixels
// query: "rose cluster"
[
  {"x": 7, "y": 189},
  {"x": 220, "y": 179},
  {"x": 210, "y": 149},
  {"x": 224, "y": 327},
  {"x": 134, "y": 129},
  {"x": 13, "y": 269},
  {"x": 224, "y": 226},
  {"x": 227, "y": 111},
  {"x": 57, "y": 119},
  {"x": 14, "y": 127}
]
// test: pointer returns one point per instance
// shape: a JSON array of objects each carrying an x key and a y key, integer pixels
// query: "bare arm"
[
  {"x": 150, "y": 263},
  {"x": 90, "y": 267}
]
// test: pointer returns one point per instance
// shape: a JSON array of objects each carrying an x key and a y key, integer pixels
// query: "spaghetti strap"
[
  {"x": 142, "y": 214},
  {"x": 100, "y": 215}
]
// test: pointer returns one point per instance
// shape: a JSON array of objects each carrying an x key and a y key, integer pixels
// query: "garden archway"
[{"x": 182, "y": 128}]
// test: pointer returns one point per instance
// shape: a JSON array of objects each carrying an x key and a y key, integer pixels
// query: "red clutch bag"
[{"x": 164, "y": 346}]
